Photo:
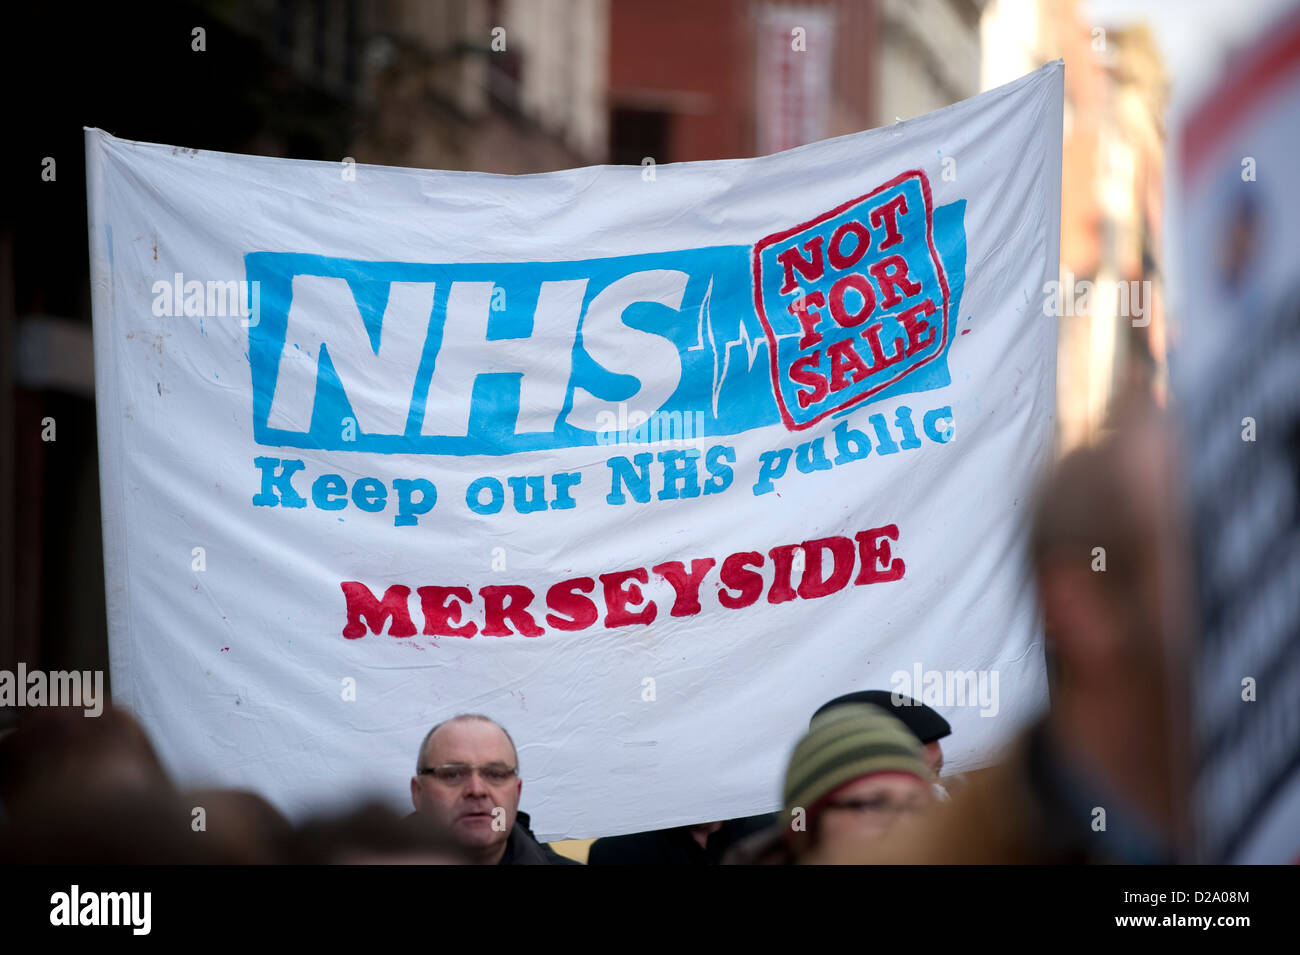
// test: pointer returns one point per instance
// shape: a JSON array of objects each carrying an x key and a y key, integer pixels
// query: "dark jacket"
[
  {"x": 522, "y": 848},
  {"x": 673, "y": 846}
]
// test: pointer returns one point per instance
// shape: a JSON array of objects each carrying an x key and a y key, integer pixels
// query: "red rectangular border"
[{"x": 761, "y": 244}]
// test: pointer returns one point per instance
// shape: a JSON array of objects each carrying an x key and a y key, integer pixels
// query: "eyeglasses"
[
  {"x": 453, "y": 774},
  {"x": 876, "y": 806}
]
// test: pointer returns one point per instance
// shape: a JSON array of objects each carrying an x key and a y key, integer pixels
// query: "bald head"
[
  {"x": 424, "y": 754},
  {"x": 466, "y": 785}
]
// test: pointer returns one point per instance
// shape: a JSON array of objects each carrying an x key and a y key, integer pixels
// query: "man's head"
[
  {"x": 1103, "y": 536},
  {"x": 855, "y": 772},
  {"x": 925, "y": 723},
  {"x": 467, "y": 785},
  {"x": 1109, "y": 550}
]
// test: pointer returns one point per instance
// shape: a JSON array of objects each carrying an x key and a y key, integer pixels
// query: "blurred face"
[
  {"x": 868, "y": 807},
  {"x": 933, "y": 757},
  {"x": 472, "y": 798},
  {"x": 1115, "y": 633}
]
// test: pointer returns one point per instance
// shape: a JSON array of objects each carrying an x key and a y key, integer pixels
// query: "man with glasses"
[{"x": 466, "y": 787}]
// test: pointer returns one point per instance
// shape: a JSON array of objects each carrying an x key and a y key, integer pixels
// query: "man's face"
[
  {"x": 868, "y": 807},
  {"x": 475, "y": 811}
]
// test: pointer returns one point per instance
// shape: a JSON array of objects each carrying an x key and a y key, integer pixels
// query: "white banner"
[{"x": 646, "y": 464}]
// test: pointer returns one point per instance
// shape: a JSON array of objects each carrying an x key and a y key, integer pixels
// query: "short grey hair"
[{"x": 419, "y": 756}]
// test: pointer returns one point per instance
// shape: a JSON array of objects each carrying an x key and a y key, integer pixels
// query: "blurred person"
[
  {"x": 851, "y": 778},
  {"x": 702, "y": 844},
  {"x": 57, "y": 754},
  {"x": 80, "y": 790},
  {"x": 1103, "y": 777},
  {"x": 926, "y": 724},
  {"x": 371, "y": 834},
  {"x": 251, "y": 830},
  {"x": 149, "y": 827},
  {"x": 466, "y": 789}
]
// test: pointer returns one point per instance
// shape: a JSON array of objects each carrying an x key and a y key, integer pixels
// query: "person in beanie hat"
[
  {"x": 1116, "y": 733},
  {"x": 926, "y": 724},
  {"x": 855, "y": 771}
]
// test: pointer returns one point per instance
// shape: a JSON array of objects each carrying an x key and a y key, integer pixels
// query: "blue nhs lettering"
[{"x": 478, "y": 358}]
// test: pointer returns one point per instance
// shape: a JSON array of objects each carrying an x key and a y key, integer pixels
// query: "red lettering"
[
  {"x": 888, "y": 214},
  {"x": 563, "y": 598},
  {"x": 873, "y": 548},
  {"x": 844, "y": 358},
  {"x": 741, "y": 584},
  {"x": 891, "y": 274},
  {"x": 803, "y": 372},
  {"x": 361, "y": 604},
  {"x": 834, "y": 253},
  {"x": 810, "y": 268},
  {"x": 735, "y": 575},
  {"x": 508, "y": 602},
  {"x": 814, "y": 583},
  {"x": 440, "y": 614},
  {"x": 618, "y": 598},
  {"x": 879, "y": 359},
  {"x": 915, "y": 330},
  {"x": 858, "y": 282},
  {"x": 802, "y": 309},
  {"x": 782, "y": 561},
  {"x": 686, "y": 586}
]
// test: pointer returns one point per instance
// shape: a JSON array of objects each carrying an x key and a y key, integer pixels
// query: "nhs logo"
[
  {"x": 498, "y": 358},
  {"x": 479, "y": 358}
]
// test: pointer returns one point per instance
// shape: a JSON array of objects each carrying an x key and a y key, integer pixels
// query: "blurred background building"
[
  {"x": 1112, "y": 194},
  {"x": 507, "y": 86}
]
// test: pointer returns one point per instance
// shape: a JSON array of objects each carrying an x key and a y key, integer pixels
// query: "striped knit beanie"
[{"x": 844, "y": 744}]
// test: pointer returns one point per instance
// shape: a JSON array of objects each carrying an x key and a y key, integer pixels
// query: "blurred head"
[
  {"x": 868, "y": 806},
  {"x": 467, "y": 784},
  {"x": 925, "y": 723},
  {"x": 370, "y": 834},
  {"x": 59, "y": 756},
  {"x": 1109, "y": 550},
  {"x": 248, "y": 827},
  {"x": 1105, "y": 544},
  {"x": 853, "y": 775}
]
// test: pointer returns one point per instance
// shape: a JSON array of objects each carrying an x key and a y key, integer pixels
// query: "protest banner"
[{"x": 645, "y": 463}]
